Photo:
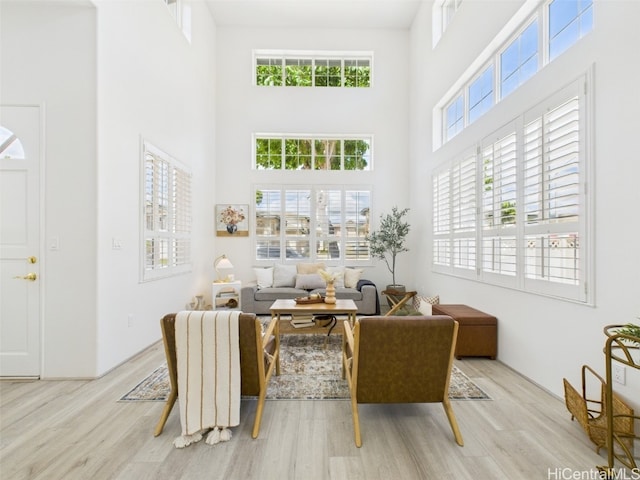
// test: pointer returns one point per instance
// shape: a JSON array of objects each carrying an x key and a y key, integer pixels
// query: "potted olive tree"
[{"x": 389, "y": 240}]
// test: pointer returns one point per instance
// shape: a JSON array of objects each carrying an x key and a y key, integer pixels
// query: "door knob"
[{"x": 29, "y": 276}]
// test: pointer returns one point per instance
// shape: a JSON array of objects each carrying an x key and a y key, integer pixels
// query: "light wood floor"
[{"x": 78, "y": 430}]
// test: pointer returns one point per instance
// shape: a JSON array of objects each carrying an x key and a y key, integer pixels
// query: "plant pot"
[{"x": 397, "y": 288}]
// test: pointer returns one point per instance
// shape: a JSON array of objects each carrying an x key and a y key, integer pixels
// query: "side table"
[
  {"x": 397, "y": 299},
  {"x": 226, "y": 295}
]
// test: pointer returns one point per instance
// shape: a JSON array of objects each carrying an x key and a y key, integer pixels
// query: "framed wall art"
[{"x": 232, "y": 220}]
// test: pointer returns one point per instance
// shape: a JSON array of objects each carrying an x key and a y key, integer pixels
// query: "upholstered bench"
[{"x": 477, "y": 333}]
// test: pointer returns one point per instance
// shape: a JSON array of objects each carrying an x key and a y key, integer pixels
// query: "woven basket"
[
  {"x": 307, "y": 300},
  {"x": 591, "y": 414}
]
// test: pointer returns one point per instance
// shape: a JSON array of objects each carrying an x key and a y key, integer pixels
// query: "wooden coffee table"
[{"x": 290, "y": 307}]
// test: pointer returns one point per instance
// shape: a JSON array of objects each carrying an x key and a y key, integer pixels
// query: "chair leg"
[
  {"x": 453, "y": 422},
  {"x": 256, "y": 423},
  {"x": 356, "y": 422},
  {"x": 173, "y": 395}
]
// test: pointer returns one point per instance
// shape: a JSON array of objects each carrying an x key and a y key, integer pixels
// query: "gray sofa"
[{"x": 258, "y": 301}]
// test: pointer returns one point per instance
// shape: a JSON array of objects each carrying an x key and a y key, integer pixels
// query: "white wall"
[
  {"x": 48, "y": 58},
  {"x": 109, "y": 74},
  {"x": 243, "y": 109},
  {"x": 153, "y": 85},
  {"x": 543, "y": 338}
]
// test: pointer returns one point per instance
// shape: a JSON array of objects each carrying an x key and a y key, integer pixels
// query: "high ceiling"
[{"x": 315, "y": 13}]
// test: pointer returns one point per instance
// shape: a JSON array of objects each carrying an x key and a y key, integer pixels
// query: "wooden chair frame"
[
  {"x": 350, "y": 369},
  {"x": 262, "y": 342}
]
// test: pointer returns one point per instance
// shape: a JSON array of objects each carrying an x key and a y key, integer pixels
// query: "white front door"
[{"x": 20, "y": 241}]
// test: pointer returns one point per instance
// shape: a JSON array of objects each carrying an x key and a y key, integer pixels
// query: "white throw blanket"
[{"x": 208, "y": 358}]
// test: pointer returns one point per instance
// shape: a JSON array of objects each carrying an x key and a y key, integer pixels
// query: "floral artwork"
[{"x": 232, "y": 220}]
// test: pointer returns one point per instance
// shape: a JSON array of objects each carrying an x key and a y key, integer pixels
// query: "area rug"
[{"x": 309, "y": 371}]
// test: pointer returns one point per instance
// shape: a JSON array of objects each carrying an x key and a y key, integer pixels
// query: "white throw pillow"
[
  {"x": 338, "y": 272},
  {"x": 284, "y": 275},
  {"x": 306, "y": 268},
  {"x": 419, "y": 300},
  {"x": 264, "y": 277},
  {"x": 425, "y": 308},
  {"x": 309, "y": 281},
  {"x": 352, "y": 276}
]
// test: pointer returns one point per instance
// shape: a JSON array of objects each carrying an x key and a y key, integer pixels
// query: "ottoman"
[{"x": 477, "y": 331}]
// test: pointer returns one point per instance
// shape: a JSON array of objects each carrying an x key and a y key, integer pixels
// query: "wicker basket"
[
  {"x": 591, "y": 414},
  {"x": 307, "y": 300}
]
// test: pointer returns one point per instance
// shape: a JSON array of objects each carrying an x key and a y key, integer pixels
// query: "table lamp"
[{"x": 222, "y": 263}]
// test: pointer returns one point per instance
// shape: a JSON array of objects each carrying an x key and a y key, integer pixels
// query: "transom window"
[
  {"x": 279, "y": 152},
  {"x": 480, "y": 94},
  {"x": 166, "y": 215},
  {"x": 312, "y": 222},
  {"x": 519, "y": 61},
  {"x": 552, "y": 28},
  {"x": 512, "y": 211},
  {"x": 10, "y": 145},
  {"x": 313, "y": 69},
  {"x": 568, "y": 22}
]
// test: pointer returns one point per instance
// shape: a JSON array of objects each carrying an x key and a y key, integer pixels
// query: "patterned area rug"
[{"x": 309, "y": 371}]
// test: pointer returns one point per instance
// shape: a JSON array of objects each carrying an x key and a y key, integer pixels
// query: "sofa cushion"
[
  {"x": 264, "y": 277},
  {"x": 306, "y": 268},
  {"x": 351, "y": 277},
  {"x": 338, "y": 272},
  {"x": 284, "y": 275},
  {"x": 309, "y": 281},
  {"x": 273, "y": 294}
]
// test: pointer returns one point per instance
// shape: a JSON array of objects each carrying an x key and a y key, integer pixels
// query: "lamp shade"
[{"x": 222, "y": 263}]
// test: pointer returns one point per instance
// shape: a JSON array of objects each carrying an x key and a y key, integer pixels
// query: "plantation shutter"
[
  {"x": 499, "y": 205},
  {"x": 552, "y": 195},
  {"x": 167, "y": 216},
  {"x": 464, "y": 212},
  {"x": 442, "y": 218}
]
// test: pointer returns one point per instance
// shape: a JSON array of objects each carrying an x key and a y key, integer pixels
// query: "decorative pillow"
[
  {"x": 264, "y": 277},
  {"x": 419, "y": 300},
  {"x": 309, "y": 281},
  {"x": 424, "y": 307},
  {"x": 338, "y": 272},
  {"x": 284, "y": 275},
  {"x": 305, "y": 268},
  {"x": 352, "y": 276}
]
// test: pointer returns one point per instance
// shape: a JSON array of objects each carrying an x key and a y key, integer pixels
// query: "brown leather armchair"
[
  {"x": 259, "y": 356},
  {"x": 400, "y": 360}
]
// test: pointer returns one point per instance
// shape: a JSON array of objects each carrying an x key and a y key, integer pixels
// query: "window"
[
  {"x": 328, "y": 73},
  {"x": 513, "y": 210},
  {"x": 313, "y": 69},
  {"x": 519, "y": 61},
  {"x": 269, "y": 72},
  {"x": 442, "y": 218},
  {"x": 181, "y": 12},
  {"x": 498, "y": 159},
  {"x": 551, "y": 27},
  {"x": 569, "y": 20},
  {"x": 455, "y": 117},
  {"x": 10, "y": 145},
  {"x": 463, "y": 212},
  {"x": 481, "y": 94},
  {"x": 314, "y": 152},
  {"x": 443, "y": 13},
  {"x": 552, "y": 199},
  {"x": 166, "y": 215},
  {"x": 297, "y": 72},
  {"x": 312, "y": 222}
]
